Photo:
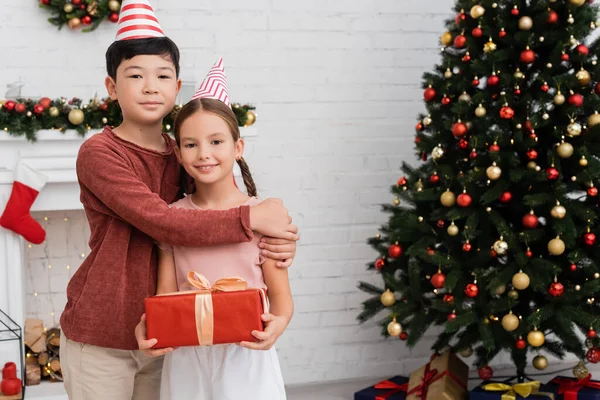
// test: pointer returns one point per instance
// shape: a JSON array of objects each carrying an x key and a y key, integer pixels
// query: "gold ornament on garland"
[
  {"x": 74, "y": 23},
  {"x": 446, "y": 39},
  {"x": 68, "y": 8},
  {"x": 540, "y": 362},
  {"x": 388, "y": 298},
  {"x": 594, "y": 119},
  {"x": 394, "y": 328},
  {"x": 92, "y": 9},
  {"x": 580, "y": 371},
  {"x": 468, "y": 352},
  {"x": 477, "y": 11},
  {"x": 53, "y": 112},
  {"x": 250, "y": 118},
  {"x": 577, "y": 3},
  {"x": 114, "y": 5},
  {"x": 88, "y": 12},
  {"x": 76, "y": 116}
]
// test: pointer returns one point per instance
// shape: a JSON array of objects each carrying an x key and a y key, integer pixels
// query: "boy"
[{"x": 127, "y": 176}]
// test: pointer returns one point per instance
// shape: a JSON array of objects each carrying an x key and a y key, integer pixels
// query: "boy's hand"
[
  {"x": 278, "y": 249},
  {"x": 271, "y": 218},
  {"x": 266, "y": 339},
  {"x": 146, "y": 344}
]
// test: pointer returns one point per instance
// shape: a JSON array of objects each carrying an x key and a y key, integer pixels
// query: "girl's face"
[{"x": 207, "y": 150}]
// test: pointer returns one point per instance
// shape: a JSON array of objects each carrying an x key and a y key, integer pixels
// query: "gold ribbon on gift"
[{"x": 522, "y": 389}]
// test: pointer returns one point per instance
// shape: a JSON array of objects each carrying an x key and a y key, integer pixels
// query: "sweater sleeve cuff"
[{"x": 245, "y": 220}]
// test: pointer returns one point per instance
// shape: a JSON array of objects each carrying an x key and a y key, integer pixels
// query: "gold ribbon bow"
[
  {"x": 522, "y": 389},
  {"x": 200, "y": 282}
]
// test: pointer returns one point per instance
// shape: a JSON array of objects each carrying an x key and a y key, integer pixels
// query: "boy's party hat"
[
  {"x": 137, "y": 21},
  {"x": 214, "y": 85}
]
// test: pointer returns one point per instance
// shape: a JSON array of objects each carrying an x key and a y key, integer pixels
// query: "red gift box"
[{"x": 226, "y": 312}]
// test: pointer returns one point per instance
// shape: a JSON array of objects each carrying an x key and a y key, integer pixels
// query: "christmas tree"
[{"x": 493, "y": 235}]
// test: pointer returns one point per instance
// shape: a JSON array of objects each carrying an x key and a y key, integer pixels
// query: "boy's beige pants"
[{"x": 99, "y": 373}]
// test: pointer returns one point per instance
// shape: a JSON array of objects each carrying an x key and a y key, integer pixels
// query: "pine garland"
[{"x": 74, "y": 13}]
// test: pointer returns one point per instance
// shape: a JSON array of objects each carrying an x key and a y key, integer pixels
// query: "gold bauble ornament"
[
  {"x": 594, "y": 119},
  {"x": 577, "y": 3},
  {"x": 448, "y": 74},
  {"x": 520, "y": 280},
  {"x": 464, "y": 97},
  {"x": 574, "y": 129},
  {"x": 493, "y": 172},
  {"x": 446, "y": 39},
  {"x": 448, "y": 198},
  {"x": 68, "y": 8},
  {"x": 452, "y": 229},
  {"x": 427, "y": 121},
  {"x": 477, "y": 11},
  {"x": 114, "y": 5},
  {"x": 250, "y": 118},
  {"x": 559, "y": 99},
  {"x": 500, "y": 247},
  {"x": 565, "y": 150},
  {"x": 536, "y": 338},
  {"x": 583, "y": 77},
  {"x": 500, "y": 290},
  {"x": 53, "y": 111},
  {"x": 558, "y": 212},
  {"x": 570, "y": 20},
  {"x": 394, "y": 328},
  {"x": 531, "y": 164},
  {"x": 510, "y": 322},
  {"x": 76, "y": 116},
  {"x": 104, "y": 120},
  {"x": 74, "y": 23},
  {"x": 468, "y": 352},
  {"x": 583, "y": 162},
  {"x": 556, "y": 246},
  {"x": 480, "y": 111},
  {"x": 525, "y": 23},
  {"x": 388, "y": 298},
  {"x": 513, "y": 294},
  {"x": 437, "y": 152},
  {"x": 396, "y": 201},
  {"x": 518, "y": 74},
  {"x": 489, "y": 46},
  {"x": 540, "y": 362},
  {"x": 92, "y": 9},
  {"x": 580, "y": 371}
]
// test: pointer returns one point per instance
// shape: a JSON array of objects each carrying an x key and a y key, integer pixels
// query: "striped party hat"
[
  {"x": 137, "y": 21},
  {"x": 214, "y": 85}
]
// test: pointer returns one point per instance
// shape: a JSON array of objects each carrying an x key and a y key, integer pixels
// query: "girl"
[{"x": 208, "y": 142}]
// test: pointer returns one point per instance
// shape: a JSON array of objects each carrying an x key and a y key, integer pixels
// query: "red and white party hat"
[
  {"x": 214, "y": 85},
  {"x": 137, "y": 21}
]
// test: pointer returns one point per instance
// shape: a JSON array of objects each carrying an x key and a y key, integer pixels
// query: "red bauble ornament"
[
  {"x": 451, "y": 316},
  {"x": 589, "y": 238},
  {"x": 593, "y": 355},
  {"x": 464, "y": 200},
  {"x": 20, "y": 108},
  {"x": 467, "y": 247},
  {"x": 446, "y": 100},
  {"x": 419, "y": 126},
  {"x": 529, "y": 253},
  {"x": 76, "y": 2},
  {"x": 507, "y": 112},
  {"x": 448, "y": 299},
  {"x": 521, "y": 344},
  {"x": 514, "y": 11},
  {"x": 576, "y": 100},
  {"x": 45, "y": 2},
  {"x": 435, "y": 178},
  {"x": 460, "y": 17},
  {"x": 424, "y": 156},
  {"x": 402, "y": 181},
  {"x": 573, "y": 267},
  {"x": 591, "y": 333},
  {"x": 471, "y": 290},
  {"x": 45, "y": 102},
  {"x": 477, "y": 32},
  {"x": 86, "y": 20},
  {"x": 441, "y": 223},
  {"x": 502, "y": 33},
  {"x": 528, "y": 56},
  {"x": 403, "y": 336},
  {"x": 429, "y": 94},
  {"x": 583, "y": 49},
  {"x": 104, "y": 106},
  {"x": 552, "y": 17},
  {"x": 113, "y": 17},
  {"x": 494, "y": 148},
  {"x": 473, "y": 154},
  {"x": 395, "y": 251},
  {"x": 530, "y": 221},
  {"x": 10, "y": 105},
  {"x": 459, "y": 129},
  {"x": 379, "y": 264},
  {"x": 486, "y": 372},
  {"x": 493, "y": 80},
  {"x": 475, "y": 82},
  {"x": 564, "y": 57},
  {"x": 517, "y": 92},
  {"x": 506, "y": 197},
  {"x": 552, "y": 173},
  {"x": 493, "y": 253},
  {"x": 438, "y": 279},
  {"x": 545, "y": 87},
  {"x": 593, "y": 191},
  {"x": 556, "y": 289},
  {"x": 430, "y": 251},
  {"x": 463, "y": 144},
  {"x": 466, "y": 57},
  {"x": 597, "y": 89},
  {"x": 460, "y": 41},
  {"x": 528, "y": 125},
  {"x": 417, "y": 139},
  {"x": 38, "y": 109},
  {"x": 532, "y": 154}
]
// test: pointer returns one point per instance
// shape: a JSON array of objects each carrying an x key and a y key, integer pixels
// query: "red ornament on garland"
[
  {"x": 379, "y": 264},
  {"x": 438, "y": 279},
  {"x": 528, "y": 56},
  {"x": 467, "y": 247},
  {"x": 113, "y": 17},
  {"x": 20, "y": 108},
  {"x": 448, "y": 299},
  {"x": 532, "y": 154},
  {"x": 486, "y": 372},
  {"x": 477, "y": 32},
  {"x": 445, "y": 100},
  {"x": 459, "y": 129},
  {"x": 403, "y": 336},
  {"x": 583, "y": 49},
  {"x": 521, "y": 343},
  {"x": 552, "y": 17},
  {"x": 104, "y": 106},
  {"x": 76, "y": 2},
  {"x": 564, "y": 57},
  {"x": 591, "y": 333},
  {"x": 460, "y": 17},
  {"x": 38, "y": 109},
  {"x": 402, "y": 181},
  {"x": 593, "y": 355},
  {"x": 86, "y": 20},
  {"x": 435, "y": 178},
  {"x": 45, "y": 102},
  {"x": 589, "y": 238},
  {"x": 45, "y": 2},
  {"x": 429, "y": 94},
  {"x": 556, "y": 289},
  {"x": 460, "y": 41},
  {"x": 493, "y": 80},
  {"x": 593, "y": 191},
  {"x": 464, "y": 200},
  {"x": 463, "y": 144},
  {"x": 451, "y": 316},
  {"x": 471, "y": 290},
  {"x": 395, "y": 251},
  {"x": 417, "y": 139},
  {"x": 10, "y": 105},
  {"x": 507, "y": 112},
  {"x": 419, "y": 126},
  {"x": 552, "y": 173},
  {"x": 506, "y": 197},
  {"x": 530, "y": 221},
  {"x": 576, "y": 100}
]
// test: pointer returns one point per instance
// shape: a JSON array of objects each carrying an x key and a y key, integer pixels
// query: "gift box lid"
[
  {"x": 480, "y": 393},
  {"x": 371, "y": 393},
  {"x": 584, "y": 389}
]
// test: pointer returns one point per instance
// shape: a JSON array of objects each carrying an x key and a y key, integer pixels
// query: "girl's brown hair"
[{"x": 226, "y": 114}]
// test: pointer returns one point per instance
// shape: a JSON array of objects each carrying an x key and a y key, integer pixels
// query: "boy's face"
[{"x": 146, "y": 88}]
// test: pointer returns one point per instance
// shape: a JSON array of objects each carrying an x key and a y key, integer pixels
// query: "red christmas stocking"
[{"x": 28, "y": 183}]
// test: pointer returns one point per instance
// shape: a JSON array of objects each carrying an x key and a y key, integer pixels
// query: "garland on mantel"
[
  {"x": 25, "y": 117},
  {"x": 76, "y": 13}
]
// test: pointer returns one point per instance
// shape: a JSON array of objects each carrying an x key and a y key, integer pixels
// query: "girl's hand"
[
  {"x": 266, "y": 339},
  {"x": 146, "y": 344},
  {"x": 281, "y": 250}
]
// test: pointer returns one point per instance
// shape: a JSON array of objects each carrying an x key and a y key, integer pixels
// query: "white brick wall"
[{"x": 336, "y": 83}]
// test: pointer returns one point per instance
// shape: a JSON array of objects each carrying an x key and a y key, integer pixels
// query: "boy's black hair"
[{"x": 127, "y": 49}]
